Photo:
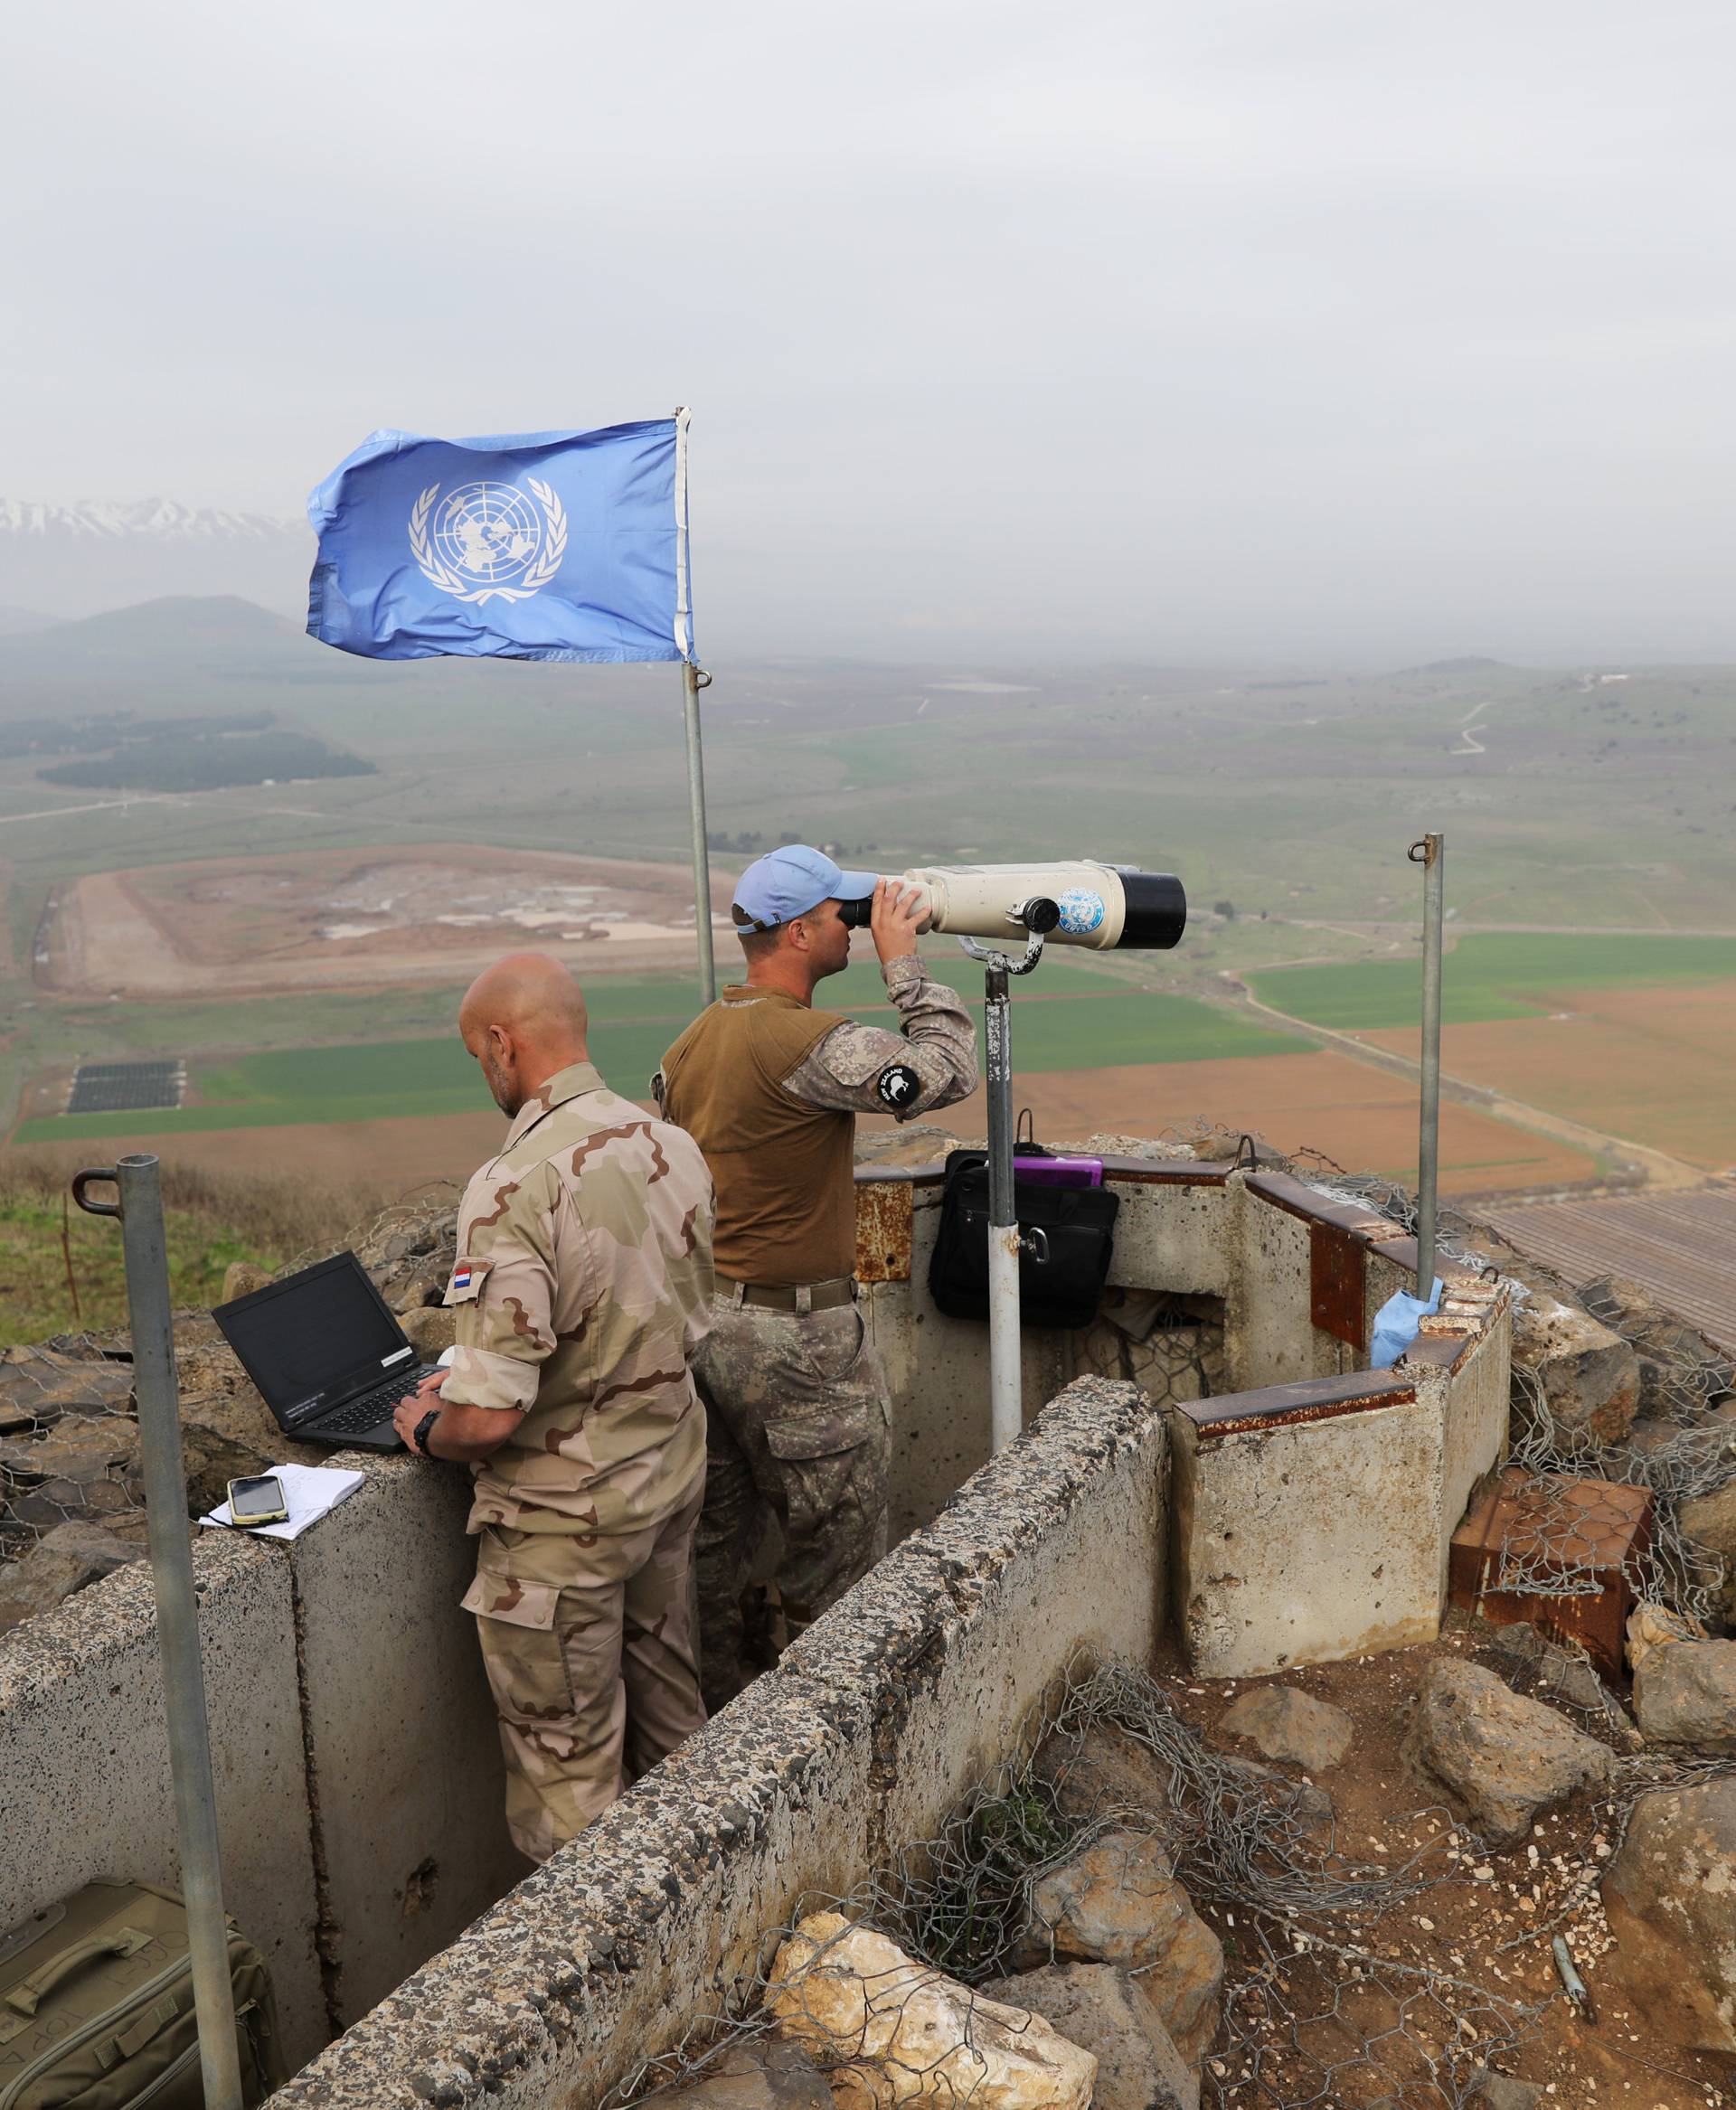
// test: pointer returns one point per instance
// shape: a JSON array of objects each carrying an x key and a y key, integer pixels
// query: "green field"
[
  {"x": 1073, "y": 1016},
  {"x": 1496, "y": 976}
]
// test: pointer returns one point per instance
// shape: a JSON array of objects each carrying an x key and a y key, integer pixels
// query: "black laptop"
[{"x": 329, "y": 1359}]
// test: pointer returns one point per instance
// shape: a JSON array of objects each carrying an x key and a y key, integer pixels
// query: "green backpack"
[{"x": 96, "y": 2007}]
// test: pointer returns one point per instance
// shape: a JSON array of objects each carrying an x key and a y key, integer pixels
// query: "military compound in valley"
[{"x": 1214, "y": 1489}]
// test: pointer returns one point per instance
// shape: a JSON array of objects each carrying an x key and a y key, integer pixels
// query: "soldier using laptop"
[
  {"x": 797, "y": 1417},
  {"x": 582, "y": 1287}
]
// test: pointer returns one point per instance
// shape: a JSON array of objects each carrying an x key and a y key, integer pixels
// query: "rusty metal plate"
[
  {"x": 1337, "y": 1273},
  {"x": 883, "y": 1218},
  {"x": 1553, "y": 1530}
]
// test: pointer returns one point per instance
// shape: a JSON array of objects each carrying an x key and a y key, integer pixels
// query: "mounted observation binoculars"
[{"x": 1101, "y": 906}]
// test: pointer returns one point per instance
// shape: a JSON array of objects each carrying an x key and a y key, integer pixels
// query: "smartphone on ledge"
[{"x": 256, "y": 1500}]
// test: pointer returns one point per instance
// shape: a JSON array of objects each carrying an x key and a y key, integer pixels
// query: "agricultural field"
[
  {"x": 262, "y": 935},
  {"x": 1631, "y": 1035},
  {"x": 1078, "y": 1018},
  {"x": 1489, "y": 976}
]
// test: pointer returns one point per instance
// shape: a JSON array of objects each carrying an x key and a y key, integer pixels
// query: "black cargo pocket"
[{"x": 823, "y": 1456}]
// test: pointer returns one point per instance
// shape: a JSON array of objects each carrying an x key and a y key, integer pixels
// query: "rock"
[
  {"x": 754, "y": 2073},
  {"x": 1283, "y": 1723},
  {"x": 213, "y": 1458},
  {"x": 1553, "y": 1671},
  {"x": 1105, "y": 2012},
  {"x": 1671, "y": 1898},
  {"x": 909, "y": 1143},
  {"x": 1506, "y": 1758},
  {"x": 892, "y": 2031},
  {"x": 241, "y": 1279},
  {"x": 1649, "y": 1436},
  {"x": 1115, "y": 1901},
  {"x": 1685, "y": 1693},
  {"x": 76, "y": 1469},
  {"x": 1106, "y": 1774},
  {"x": 1651, "y": 1626},
  {"x": 1107, "y": 1145},
  {"x": 1710, "y": 1520},
  {"x": 38, "y": 1385},
  {"x": 432, "y": 1331},
  {"x": 1499, "y": 2091},
  {"x": 63, "y": 1560},
  {"x": 1590, "y": 1375},
  {"x": 1680, "y": 1369}
]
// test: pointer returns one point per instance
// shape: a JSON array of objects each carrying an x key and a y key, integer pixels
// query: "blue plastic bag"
[{"x": 1395, "y": 1325}]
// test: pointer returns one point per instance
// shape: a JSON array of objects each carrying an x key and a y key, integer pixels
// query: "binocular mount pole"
[{"x": 1006, "y": 1242}]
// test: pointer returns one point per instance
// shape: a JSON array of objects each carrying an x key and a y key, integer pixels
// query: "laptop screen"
[{"x": 308, "y": 1341}]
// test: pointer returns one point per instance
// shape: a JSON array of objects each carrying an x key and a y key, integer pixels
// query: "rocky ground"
[
  {"x": 72, "y": 1501},
  {"x": 1339, "y": 1888}
]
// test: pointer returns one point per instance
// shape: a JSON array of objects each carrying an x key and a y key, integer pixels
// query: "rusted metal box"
[
  {"x": 1337, "y": 1275},
  {"x": 1557, "y": 1551}
]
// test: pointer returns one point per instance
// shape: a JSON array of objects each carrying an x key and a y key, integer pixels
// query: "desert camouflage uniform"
[
  {"x": 798, "y": 1413},
  {"x": 581, "y": 1289}
]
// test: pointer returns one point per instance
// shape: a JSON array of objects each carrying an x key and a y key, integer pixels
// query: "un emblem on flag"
[{"x": 488, "y": 541}]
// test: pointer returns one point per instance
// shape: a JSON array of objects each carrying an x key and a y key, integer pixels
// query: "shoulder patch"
[
  {"x": 899, "y": 1085},
  {"x": 468, "y": 1279}
]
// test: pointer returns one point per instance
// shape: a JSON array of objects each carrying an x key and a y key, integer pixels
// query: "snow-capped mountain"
[{"x": 75, "y": 559}]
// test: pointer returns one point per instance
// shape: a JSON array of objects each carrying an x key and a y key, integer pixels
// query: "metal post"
[
  {"x": 1433, "y": 859},
  {"x": 693, "y": 681},
  {"x": 1006, "y": 1242},
  {"x": 140, "y": 1212},
  {"x": 1005, "y": 1388}
]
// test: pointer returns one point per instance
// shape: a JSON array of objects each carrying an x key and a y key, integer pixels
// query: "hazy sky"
[{"x": 1244, "y": 325}]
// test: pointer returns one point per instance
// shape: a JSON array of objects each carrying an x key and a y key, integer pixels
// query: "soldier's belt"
[{"x": 788, "y": 1296}]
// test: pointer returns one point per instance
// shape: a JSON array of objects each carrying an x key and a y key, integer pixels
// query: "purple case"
[{"x": 1059, "y": 1171}]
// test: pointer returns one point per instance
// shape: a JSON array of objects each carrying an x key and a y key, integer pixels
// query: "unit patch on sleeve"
[{"x": 899, "y": 1085}]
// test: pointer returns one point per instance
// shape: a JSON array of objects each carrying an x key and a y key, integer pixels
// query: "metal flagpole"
[
  {"x": 1431, "y": 854},
  {"x": 693, "y": 680},
  {"x": 140, "y": 1211}
]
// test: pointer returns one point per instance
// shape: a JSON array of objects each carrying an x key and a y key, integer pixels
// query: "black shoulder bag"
[{"x": 1059, "y": 1282}]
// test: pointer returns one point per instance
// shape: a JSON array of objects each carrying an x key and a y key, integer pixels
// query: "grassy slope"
[
  {"x": 1496, "y": 976},
  {"x": 35, "y": 1298}
]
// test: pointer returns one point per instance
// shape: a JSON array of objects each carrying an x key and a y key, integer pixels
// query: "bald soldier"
[
  {"x": 581, "y": 1288},
  {"x": 798, "y": 1416}
]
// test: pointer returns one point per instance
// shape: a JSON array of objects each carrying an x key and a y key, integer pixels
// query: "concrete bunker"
[{"x": 1230, "y": 1469}]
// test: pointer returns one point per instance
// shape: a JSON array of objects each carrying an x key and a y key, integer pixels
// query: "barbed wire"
[{"x": 1318, "y": 2010}]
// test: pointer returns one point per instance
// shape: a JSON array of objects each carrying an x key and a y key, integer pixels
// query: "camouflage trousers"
[
  {"x": 587, "y": 1642},
  {"x": 799, "y": 1441}
]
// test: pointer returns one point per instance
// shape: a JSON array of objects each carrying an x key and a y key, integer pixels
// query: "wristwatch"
[{"x": 422, "y": 1427}]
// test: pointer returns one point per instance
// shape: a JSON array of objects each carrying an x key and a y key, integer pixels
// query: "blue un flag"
[{"x": 537, "y": 545}]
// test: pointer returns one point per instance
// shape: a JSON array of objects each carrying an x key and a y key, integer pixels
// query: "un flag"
[{"x": 538, "y": 545}]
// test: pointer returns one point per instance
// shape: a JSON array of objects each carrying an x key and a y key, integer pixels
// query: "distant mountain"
[
  {"x": 190, "y": 655},
  {"x": 12, "y": 620},
  {"x": 73, "y": 559}
]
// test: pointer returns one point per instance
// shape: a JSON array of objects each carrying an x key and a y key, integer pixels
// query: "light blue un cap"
[{"x": 789, "y": 882}]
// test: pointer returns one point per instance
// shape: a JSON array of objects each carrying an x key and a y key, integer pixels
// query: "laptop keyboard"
[{"x": 372, "y": 1408}]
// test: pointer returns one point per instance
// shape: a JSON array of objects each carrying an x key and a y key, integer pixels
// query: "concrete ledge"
[
  {"x": 869, "y": 1731},
  {"x": 84, "y": 1755}
]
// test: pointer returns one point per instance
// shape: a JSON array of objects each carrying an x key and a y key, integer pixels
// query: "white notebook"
[{"x": 309, "y": 1492}]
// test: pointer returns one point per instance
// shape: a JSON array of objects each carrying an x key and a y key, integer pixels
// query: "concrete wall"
[
  {"x": 403, "y": 1750},
  {"x": 1313, "y": 1520},
  {"x": 84, "y": 1757},
  {"x": 358, "y": 1766},
  {"x": 866, "y": 1735}
]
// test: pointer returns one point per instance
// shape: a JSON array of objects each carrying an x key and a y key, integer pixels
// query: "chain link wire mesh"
[
  {"x": 1321, "y": 2009},
  {"x": 70, "y": 1469}
]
